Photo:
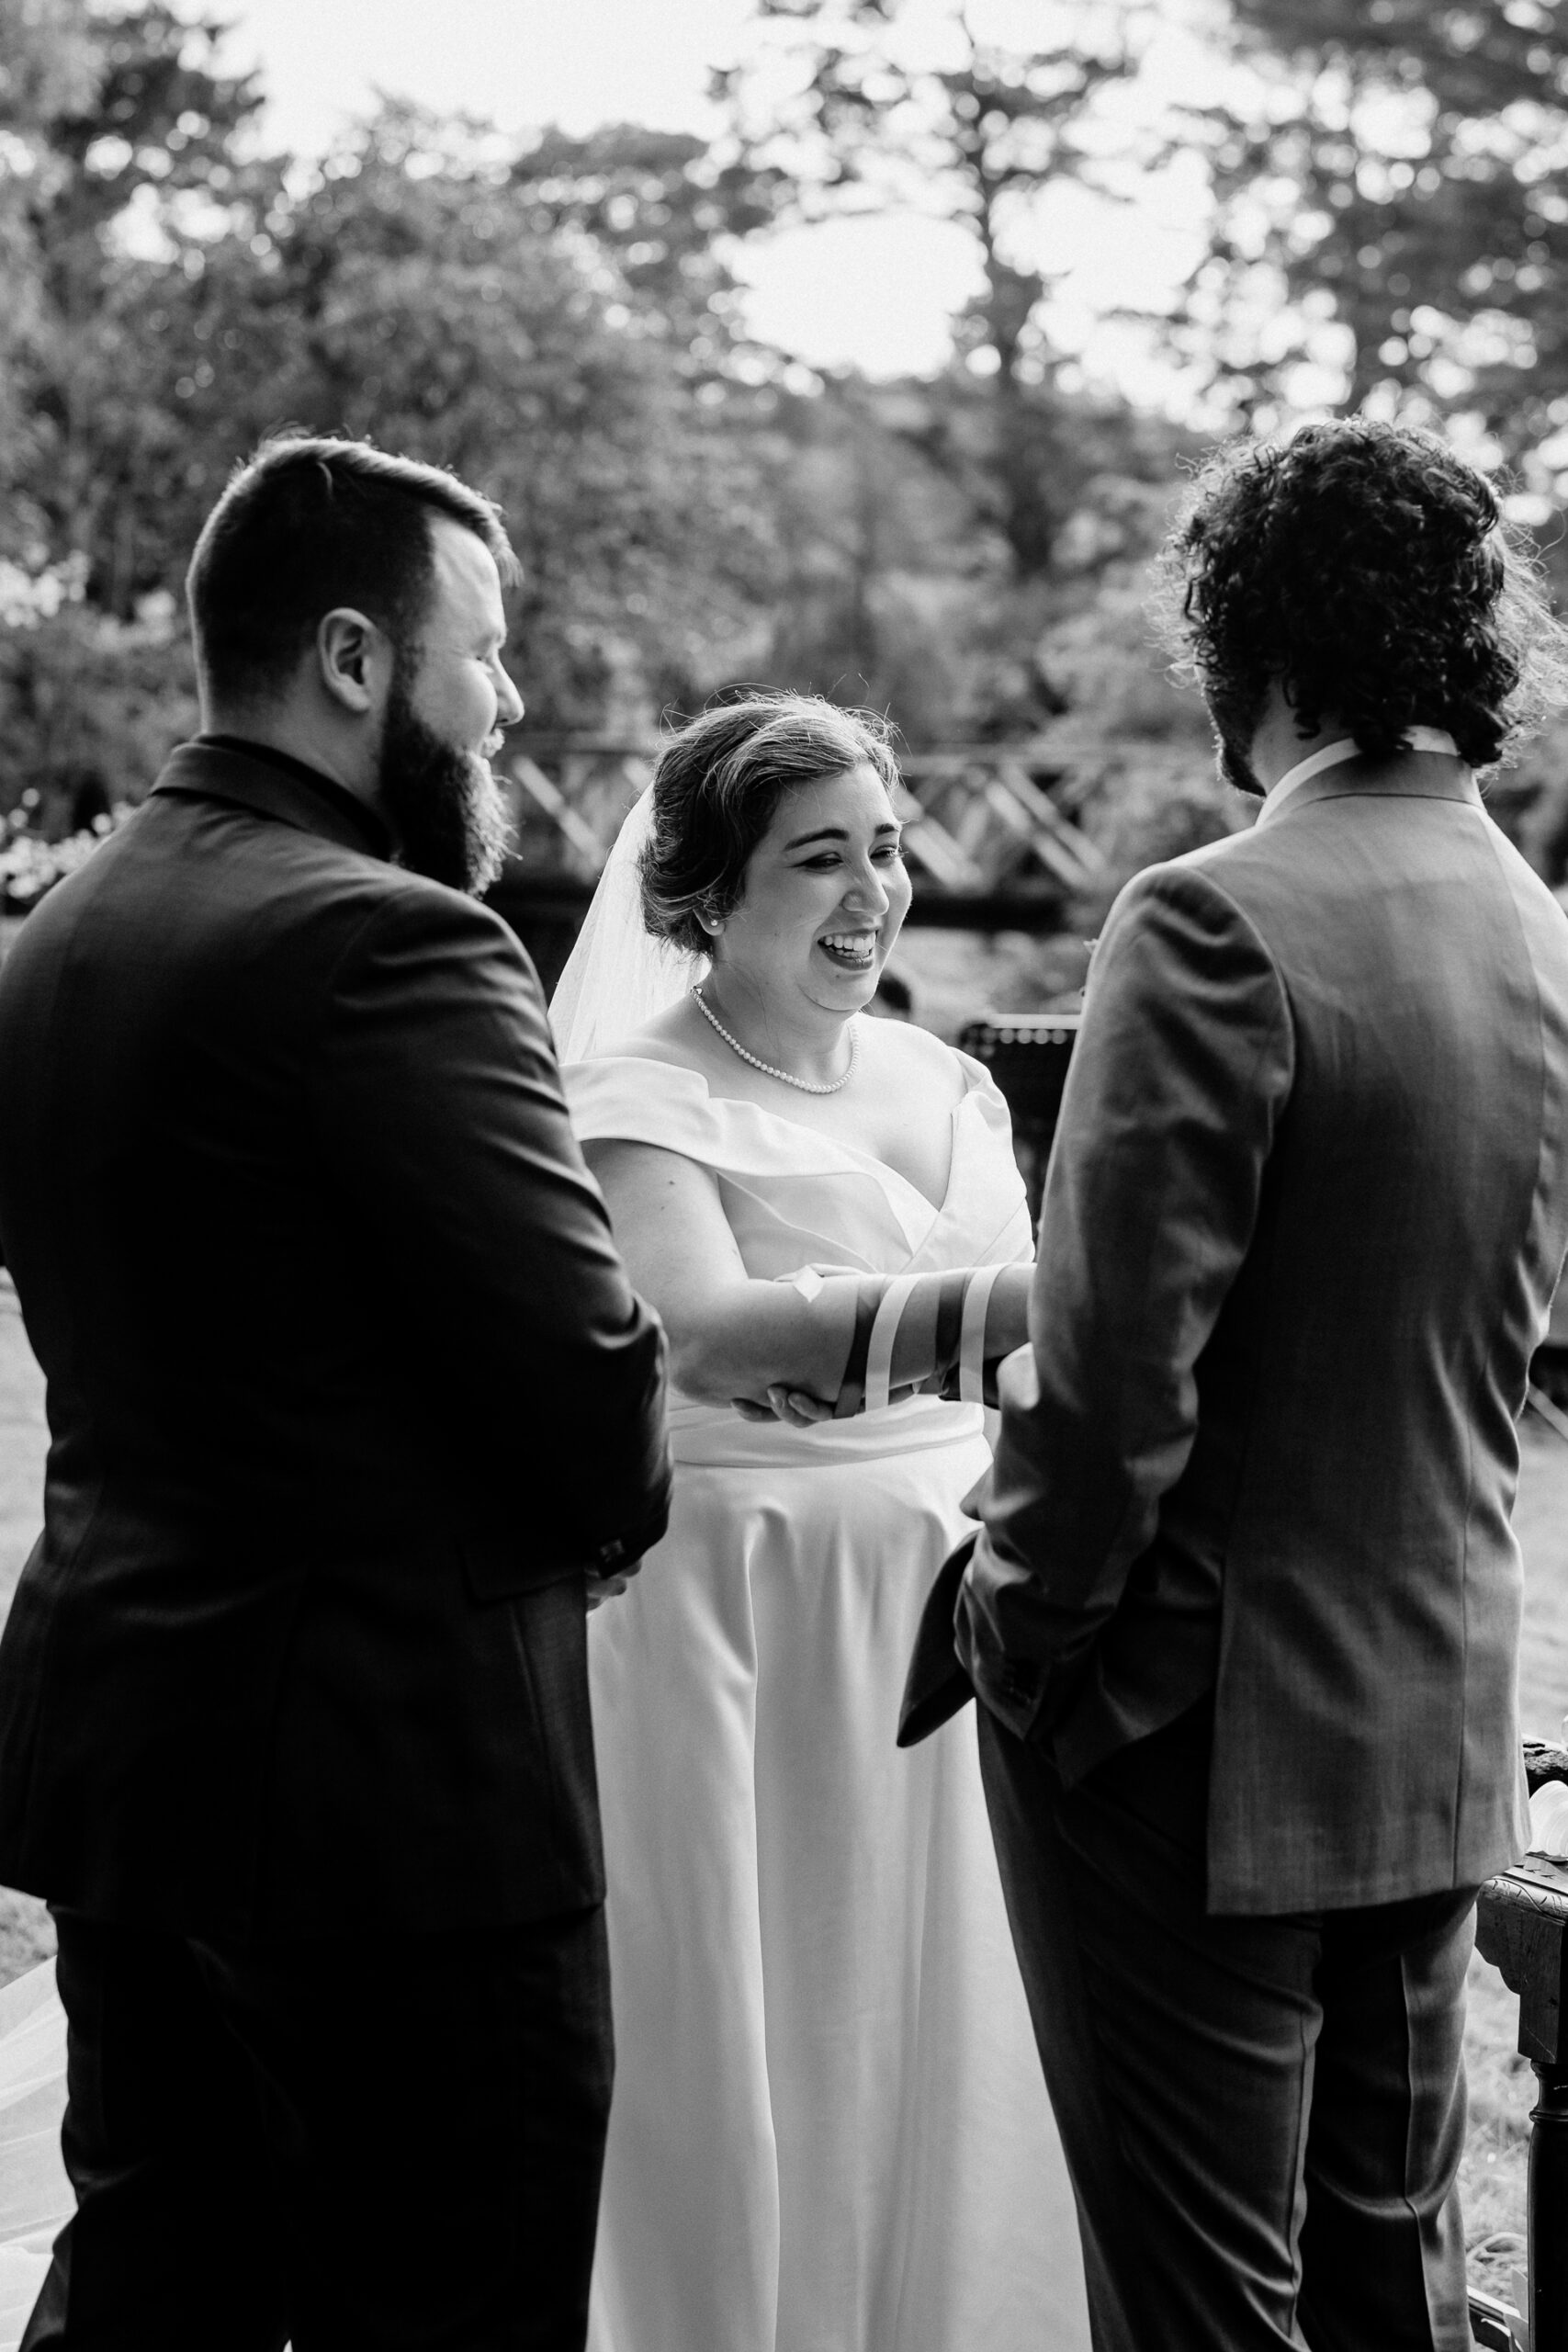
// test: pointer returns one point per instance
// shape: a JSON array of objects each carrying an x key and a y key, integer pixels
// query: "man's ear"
[{"x": 353, "y": 658}]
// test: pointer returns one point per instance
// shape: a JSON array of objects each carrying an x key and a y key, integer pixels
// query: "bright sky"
[{"x": 875, "y": 292}]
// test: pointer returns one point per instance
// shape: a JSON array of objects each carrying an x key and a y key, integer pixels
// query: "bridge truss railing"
[{"x": 989, "y": 843}]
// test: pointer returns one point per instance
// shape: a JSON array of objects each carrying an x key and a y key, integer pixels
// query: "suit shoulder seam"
[{"x": 1174, "y": 874}]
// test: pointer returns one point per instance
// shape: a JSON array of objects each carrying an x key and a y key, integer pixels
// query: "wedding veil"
[{"x": 618, "y": 975}]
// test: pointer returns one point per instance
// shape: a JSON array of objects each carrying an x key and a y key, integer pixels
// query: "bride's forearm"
[
  {"x": 974, "y": 1315},
  {"x": 817, "y": 1333},
  {"x": 840, "y": 1339},
  {"x": 1007, "y": 1313},
  {"x": 760, "y": 1335},
  {"x": 847, "y": 1340}
]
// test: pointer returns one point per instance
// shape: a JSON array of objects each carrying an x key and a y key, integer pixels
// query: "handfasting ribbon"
[
  {"x": 852, "y": 1383},
  {"x": 949, "y": 1326},
  {"x": 972, "y": 1341},
  {"x": 879, "y": 1354}
]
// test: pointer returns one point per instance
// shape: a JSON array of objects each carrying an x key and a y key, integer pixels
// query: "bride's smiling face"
[{"x": 826, "y": 892}]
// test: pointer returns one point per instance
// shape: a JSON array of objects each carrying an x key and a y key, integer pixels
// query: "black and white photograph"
[{"x": 783, "y": 1176}]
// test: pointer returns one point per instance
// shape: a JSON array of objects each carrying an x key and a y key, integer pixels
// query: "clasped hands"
[
  {"x": 799, "y": 1408},
  {"x": 935, "y": 1334}
]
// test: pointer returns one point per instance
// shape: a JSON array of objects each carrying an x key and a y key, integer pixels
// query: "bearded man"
[
  {"x": 352, "y": 1412},
  {"x": 1243, "y": 1614}
]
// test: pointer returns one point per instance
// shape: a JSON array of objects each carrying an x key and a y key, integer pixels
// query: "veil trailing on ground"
[{"x": 618, "y": 975}]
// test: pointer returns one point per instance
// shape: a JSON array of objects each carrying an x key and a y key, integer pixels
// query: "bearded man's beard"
[{"x": 447, "y": 811}]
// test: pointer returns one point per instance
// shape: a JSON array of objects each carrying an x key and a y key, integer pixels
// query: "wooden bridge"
[{"x": 989, "y": 835}]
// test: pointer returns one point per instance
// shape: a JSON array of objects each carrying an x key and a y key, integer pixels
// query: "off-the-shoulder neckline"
[{"x": 975, "y": 1077}]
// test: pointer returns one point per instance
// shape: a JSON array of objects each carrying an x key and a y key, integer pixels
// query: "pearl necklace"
[{"x": 767, "y": 1068}]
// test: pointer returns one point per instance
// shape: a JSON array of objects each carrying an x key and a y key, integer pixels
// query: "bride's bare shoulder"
[{"x": 676, "y": 1036}]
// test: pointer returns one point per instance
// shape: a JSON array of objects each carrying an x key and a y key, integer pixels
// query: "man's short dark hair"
[
  {"x": 1370, "y": 570},
  {"x": 309, "y": 525}
]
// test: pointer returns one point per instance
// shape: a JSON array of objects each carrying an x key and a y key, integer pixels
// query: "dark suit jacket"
[
  {"x": 1306, "y": 1207},
  {"x": 347, "y": 1387}
]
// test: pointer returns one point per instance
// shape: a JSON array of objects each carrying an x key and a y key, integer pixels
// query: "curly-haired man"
[{"x": 1243, "y": 1614}]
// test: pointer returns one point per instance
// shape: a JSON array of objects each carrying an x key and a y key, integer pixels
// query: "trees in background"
[
  {"x": 933, "y": 530},
  {"x": 173, "y": 295},
  {"x": 659, "y": 208},
  {"x": 406, "y": 289},
  {"x": 45, "y": 71},
  {"x": 559, "y": 322},
  {"x": 132, "y": 142},
  {"x": 1393, "y": 192},
  {"x": 106, "y": 119},
  {"x": 842, "y": 114},
  {"x": 559, "y": 319},
  {"x": 897, "y": 585}
]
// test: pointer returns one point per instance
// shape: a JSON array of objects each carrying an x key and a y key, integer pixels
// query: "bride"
[{"x": 828, "y": 2132}]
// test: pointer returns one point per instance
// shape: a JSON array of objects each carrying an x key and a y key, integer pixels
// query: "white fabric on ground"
[{"x": 36, "y": 2198}]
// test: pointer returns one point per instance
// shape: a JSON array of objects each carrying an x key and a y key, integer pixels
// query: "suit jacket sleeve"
[
  {"x": 1182, "y": 1067},
  {"x": 440, "y": 1114}
]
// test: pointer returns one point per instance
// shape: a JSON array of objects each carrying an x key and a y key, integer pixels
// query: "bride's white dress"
[
  {"x": 829, "y": 2131},
  {"x": 36, "y": 2198}
]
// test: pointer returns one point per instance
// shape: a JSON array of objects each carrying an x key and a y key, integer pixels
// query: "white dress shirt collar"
[{"x": 1331, "y": 755}]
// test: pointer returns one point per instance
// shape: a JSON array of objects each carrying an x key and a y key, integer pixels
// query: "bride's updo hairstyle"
[{"x": 717, "y": 783}]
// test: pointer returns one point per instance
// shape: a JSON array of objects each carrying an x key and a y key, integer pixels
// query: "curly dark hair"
[
  {"x": 1370, "y": 570},
  {"x": 717, "y": 783}
]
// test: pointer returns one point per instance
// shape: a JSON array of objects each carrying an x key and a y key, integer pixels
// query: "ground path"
[{"x": 1502, "y": 2086}]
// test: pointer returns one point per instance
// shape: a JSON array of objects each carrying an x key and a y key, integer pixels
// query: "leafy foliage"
[
  {"x": 91, "y": 704},
  {"x": 655, "y": 205},
  {"x": 1399, "y": 180},
  {"x": 559, "y": 319},
  {"x": 45, "y": 69},
  {"x": 184, "y": 296},
  {"x": 407, "y": 294},
  {"x": 133, "y": 122},
  {"x": 976, "y": 138}
]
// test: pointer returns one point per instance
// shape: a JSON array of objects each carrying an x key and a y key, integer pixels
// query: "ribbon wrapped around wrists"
[{"x": 940, "y": 1320}]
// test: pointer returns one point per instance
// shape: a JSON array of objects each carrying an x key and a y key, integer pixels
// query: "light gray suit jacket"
[{"x": 1306, "y": 1209}]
